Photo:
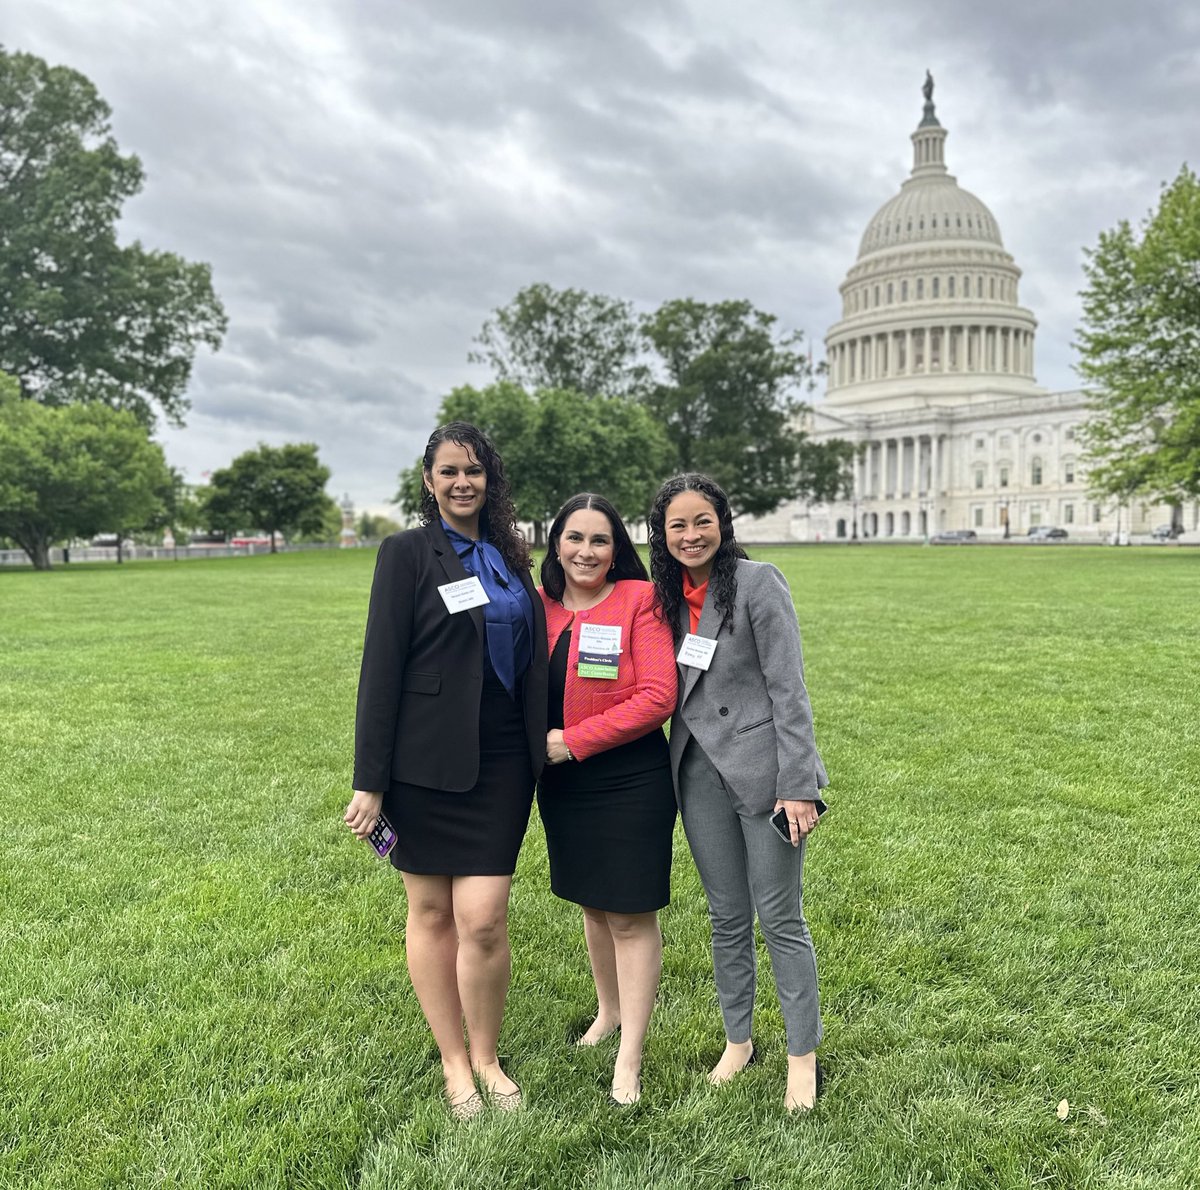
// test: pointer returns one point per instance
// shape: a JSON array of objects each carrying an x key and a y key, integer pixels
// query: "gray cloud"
[{"x": 369, "y": 180}]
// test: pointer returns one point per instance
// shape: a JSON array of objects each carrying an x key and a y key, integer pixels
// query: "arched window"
[
  {"x": 991, "y": 287},
  {"x": 904, "y": 291},
  {"x": 936, "y": 286},
  {"x": 889, "y": 293},
  {"x": 920, "y": 288},
  {"x": 905, "y": 524},
  {"x": 979, "y": 287},
  {"x": 889, "y": 525},
  {"x": 877, "y": 295},
  {"x": 980, "y": 473},
  {"x": 1035, "y": 471},
  {"x": 841, "y": 527},
  {"x": 949, "y": 286}
]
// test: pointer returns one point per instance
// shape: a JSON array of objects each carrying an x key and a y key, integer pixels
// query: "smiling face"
[
  {"x": 458, "y": 482},
  {"x": 585, "y": 549},
  {"x": 693, "y": 534}
]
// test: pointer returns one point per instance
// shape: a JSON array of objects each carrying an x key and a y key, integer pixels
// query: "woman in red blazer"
[{"x": 605, "y": 796}]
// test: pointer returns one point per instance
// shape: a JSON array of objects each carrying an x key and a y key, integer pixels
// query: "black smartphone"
[
  {"x": 382, "y": 837},
  {"x": 779, "y": 821}
]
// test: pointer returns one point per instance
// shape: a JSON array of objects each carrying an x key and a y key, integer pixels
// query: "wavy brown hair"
[
  {"x": 625, "y": 563},
  {"x": 667, "y": 573},
  {"x": 498, "y": 520}
]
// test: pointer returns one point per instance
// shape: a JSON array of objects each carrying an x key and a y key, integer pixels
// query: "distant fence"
[{"x": 159, "y": 553}]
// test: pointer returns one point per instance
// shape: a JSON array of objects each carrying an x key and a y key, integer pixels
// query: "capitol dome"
[{"x": 930, "y": 307}]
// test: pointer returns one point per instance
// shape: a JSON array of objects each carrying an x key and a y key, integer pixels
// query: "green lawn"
[{"x": 201, "y": 972}]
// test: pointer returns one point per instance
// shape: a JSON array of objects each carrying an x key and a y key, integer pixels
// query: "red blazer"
[{"x": 600, "y": 713}]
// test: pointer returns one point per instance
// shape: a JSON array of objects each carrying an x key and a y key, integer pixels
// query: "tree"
[
  {"x": 372, "y": 527},
  {"x": 555, "y": 443},
  {"x": 83, "y": 318},
  {"x": 74, "y": 472},
  {"x": 277, "y": 489},
  {"x": 548, "y": 338},
  {"x": 729, "y": 404},
  {"x": 1139, "y": 343}
]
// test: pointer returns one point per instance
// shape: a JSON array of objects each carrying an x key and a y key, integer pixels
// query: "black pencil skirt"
[{"x": 479, "y": 832}]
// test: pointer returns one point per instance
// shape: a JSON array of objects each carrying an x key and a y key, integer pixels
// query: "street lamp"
[
  {"x": 926, "y": 506},
  {"x": 854, "y": 521},
  {"x": 1003, "y": 506}
]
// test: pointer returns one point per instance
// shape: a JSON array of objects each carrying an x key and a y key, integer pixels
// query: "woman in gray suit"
[{"x": 742, "y": 754}]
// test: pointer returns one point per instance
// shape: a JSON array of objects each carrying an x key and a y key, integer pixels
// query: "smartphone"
[
  {"x": 780, "y": 822},
  {"x": 382, "y": 837}
]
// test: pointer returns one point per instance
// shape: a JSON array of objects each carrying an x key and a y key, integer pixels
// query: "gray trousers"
[{"x": 745, "y": 866}]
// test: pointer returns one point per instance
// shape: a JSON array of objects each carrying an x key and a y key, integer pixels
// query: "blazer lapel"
[
  {"x": 709, "y": 626},
  {"x": 454, "y": 571}
]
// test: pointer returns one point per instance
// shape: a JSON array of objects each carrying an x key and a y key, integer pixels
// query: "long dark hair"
[
  {"x": 498, "y": 520},
  {"x": 668, "y": 573},
  {"x": 625, "y": 564}
]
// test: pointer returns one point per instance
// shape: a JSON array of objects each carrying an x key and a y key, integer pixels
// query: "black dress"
[
  {"x": 609, "y": 819},
  {"x": 479, "y": 832}
]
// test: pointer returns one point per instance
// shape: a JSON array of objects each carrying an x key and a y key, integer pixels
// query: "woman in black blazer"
[{"x": 450, "y": 737}]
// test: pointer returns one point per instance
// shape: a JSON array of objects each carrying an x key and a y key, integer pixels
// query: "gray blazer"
[{"x": 749, "y": 710}]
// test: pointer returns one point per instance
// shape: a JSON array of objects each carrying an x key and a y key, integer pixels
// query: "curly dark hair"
[
  {"x": 498, "y": 520},
  {"x": 668, "y": 573},
  {"x": 625, "y": 563}
]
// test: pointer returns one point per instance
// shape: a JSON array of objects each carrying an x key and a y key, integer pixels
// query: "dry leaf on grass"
[{"x": 1063, "y": 1110}]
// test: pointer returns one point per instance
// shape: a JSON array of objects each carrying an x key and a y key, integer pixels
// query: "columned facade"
[{"x": 930, "y": 374}]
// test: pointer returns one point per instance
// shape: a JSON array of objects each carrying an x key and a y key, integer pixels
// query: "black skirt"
[
  {"x": 479, "y": 832},
  {"x": 609, "y": 819}
]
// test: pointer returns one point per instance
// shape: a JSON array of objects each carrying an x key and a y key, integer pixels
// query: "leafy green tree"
[
  {"x": 371, "y": 527},
  {"x": 555, "y": 443},
  {"x": 83, "y": 318},
  {"x": 276, "y": 489},
  {"x": 74, "y": 472},
  {"x": 330, "y": 529},
  {"x": 548, "y": 338},
  {"x": 1139, "y": 344},
  {"x": 729, "y": 403}
]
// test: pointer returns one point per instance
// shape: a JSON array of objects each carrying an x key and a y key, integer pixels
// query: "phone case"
[{"x": 382, "y": 837}]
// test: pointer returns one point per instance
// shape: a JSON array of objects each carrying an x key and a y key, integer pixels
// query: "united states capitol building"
[{"x": 931, "y": 376}]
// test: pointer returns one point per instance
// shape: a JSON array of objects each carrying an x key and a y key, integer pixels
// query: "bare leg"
[
  {"x": 637, "y": 945},
  {"x": 604, "y": 972},
  {"x": 802, "y": 1082},
  {"x": 481, "y": 916},
  {"x": 431, "y": 944}
]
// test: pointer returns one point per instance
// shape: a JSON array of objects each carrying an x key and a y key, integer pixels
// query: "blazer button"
[{"x": 723, "y": 711}]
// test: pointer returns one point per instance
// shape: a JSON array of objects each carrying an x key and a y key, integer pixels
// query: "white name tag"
[
  {"x": 696, "y": 651},
  {"x": 463, "y": 595},
  {"x": 599, "y": 638}
]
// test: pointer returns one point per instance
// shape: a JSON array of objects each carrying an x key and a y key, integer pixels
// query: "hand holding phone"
[{"x": 783, "y": 828}]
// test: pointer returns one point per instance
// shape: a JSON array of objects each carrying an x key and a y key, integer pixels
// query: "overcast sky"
[{"x": 369, "y": 178}]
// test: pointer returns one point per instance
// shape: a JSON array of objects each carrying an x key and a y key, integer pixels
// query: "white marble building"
[{"x": 931, "y": 374}]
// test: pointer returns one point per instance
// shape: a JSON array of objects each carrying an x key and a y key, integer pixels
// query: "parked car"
[
  {"x": 1166, "y": 532},
  {"x": 1047, "y": 533},
  {"x": 954, "y": 537}
]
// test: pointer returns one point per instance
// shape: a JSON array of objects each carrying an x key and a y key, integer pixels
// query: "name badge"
[
  {"x": 599, "y": 650},
  {"x": 463, "y": 595},
  {"x": 696, "y": 651}
]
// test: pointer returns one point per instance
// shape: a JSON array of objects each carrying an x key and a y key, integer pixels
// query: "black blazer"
[{"x": 422, "y": 672}]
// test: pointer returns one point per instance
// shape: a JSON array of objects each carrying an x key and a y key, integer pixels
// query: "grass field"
[{"x": 201, "y": 972}]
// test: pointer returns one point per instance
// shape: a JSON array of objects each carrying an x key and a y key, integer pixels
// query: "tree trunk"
[
  {"x": 39, "y": 554},
  {"x": 273, "y": 549},
  {"x": 120, "y": 557}
]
